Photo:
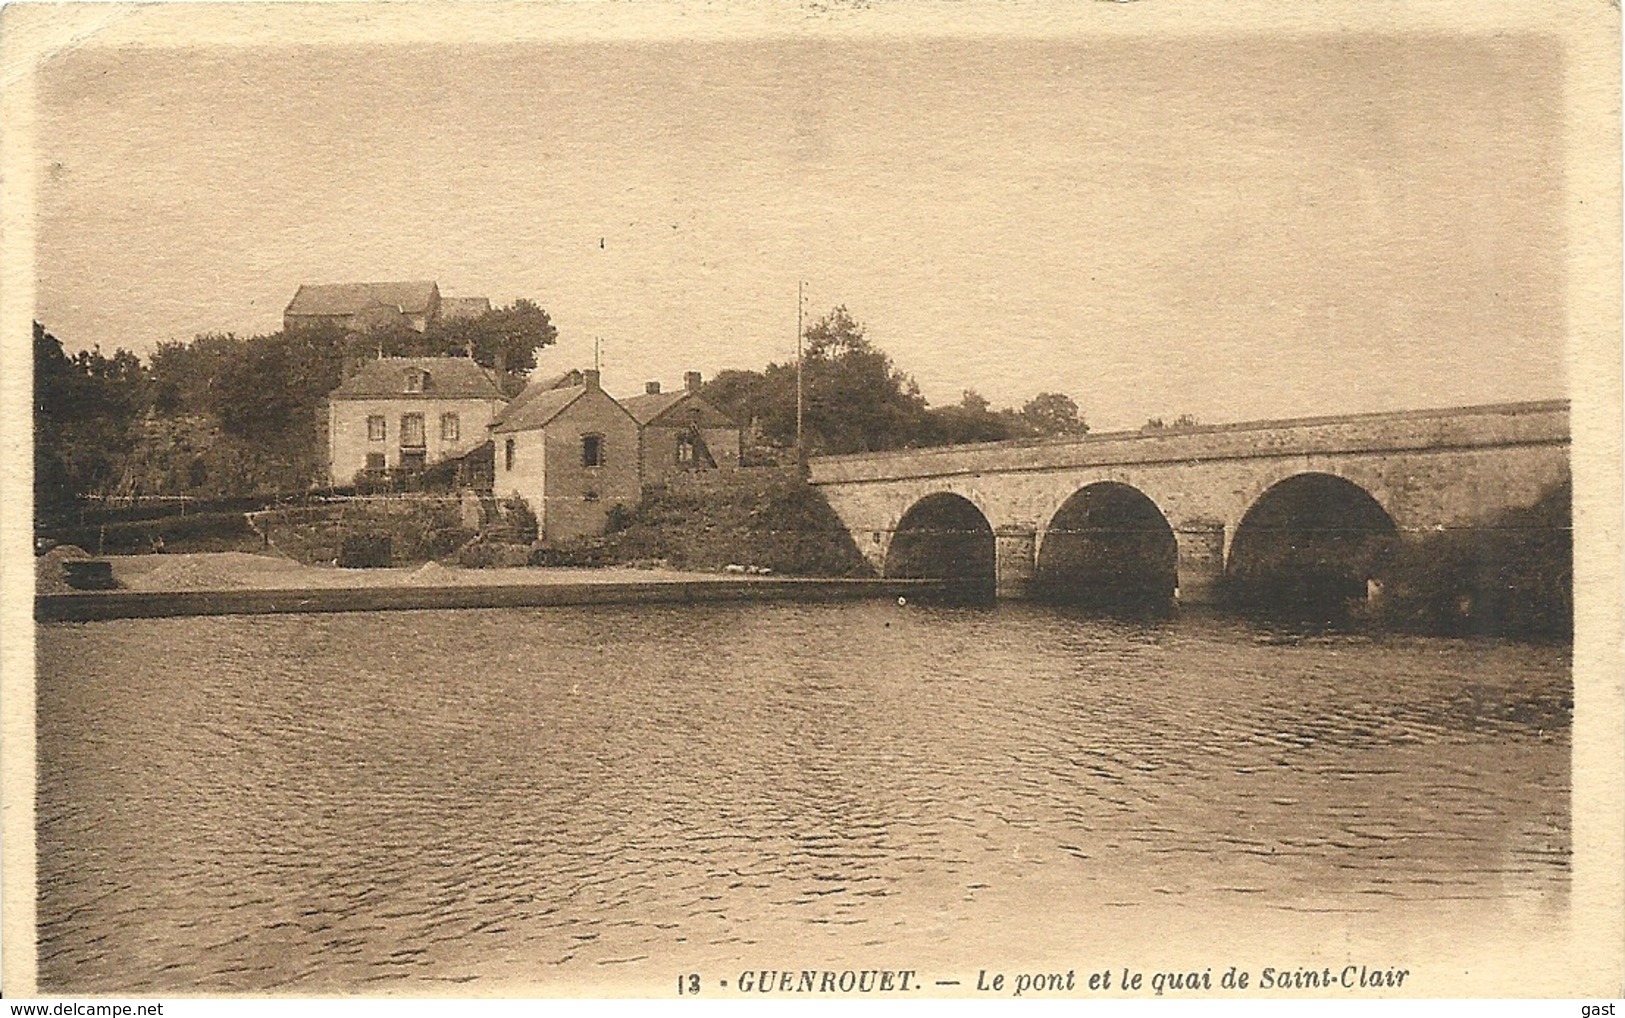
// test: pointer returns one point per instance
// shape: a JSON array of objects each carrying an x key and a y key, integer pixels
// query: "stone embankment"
[{"x": 231, "y": 583}]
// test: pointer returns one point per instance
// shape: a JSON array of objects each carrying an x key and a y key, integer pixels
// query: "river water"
[{"x": 429, "y": 802}]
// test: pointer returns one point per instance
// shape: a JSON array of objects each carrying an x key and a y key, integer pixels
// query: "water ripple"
[{"x": 423, "y": 799}]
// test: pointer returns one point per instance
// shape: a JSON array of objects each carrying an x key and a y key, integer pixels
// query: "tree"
[
  {"x": 185, "y": 375},
  {"x": 507, "y": 335},
  {"x": 753, "y": 398},
  {"x": 1181, "y": 422},
  {"x": 271, "y": 390},
  {"x": 972, "y": 419},
  {"x": 53, "y": 394},
  {"x": 1053, "y": 413},
  {"x": 856, "y": 400},
  {"x": 88, "y": 410},
  {"x": 836, "y": 334}
]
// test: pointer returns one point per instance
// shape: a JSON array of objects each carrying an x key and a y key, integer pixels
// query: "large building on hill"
[
  {"x": 453, "y": 308},
  {"x": 680, "y": 432},
  {"x": 570, "y": 451},
  {"x": 406, "y": 413},
  {"x": 357, "y": 307}
]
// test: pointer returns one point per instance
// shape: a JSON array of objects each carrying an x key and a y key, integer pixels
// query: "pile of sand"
[
  {"x": 226, "y": 570},
  {"x": 50, "y": 576}
]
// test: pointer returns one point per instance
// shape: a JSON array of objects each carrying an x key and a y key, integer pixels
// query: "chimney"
[
  {"x": 651, "y": 388},
  {"x": 691, "y": 381},
  {"x": 590, "y": 379}
]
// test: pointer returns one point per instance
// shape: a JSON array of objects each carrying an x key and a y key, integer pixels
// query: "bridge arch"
[
  {"x": 1107, "y": 545},
  {"x": 942, "y": 535},
  {"x": 1307, "y": 547}
]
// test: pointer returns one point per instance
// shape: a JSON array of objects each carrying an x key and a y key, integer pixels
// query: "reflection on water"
[{"x": 564, "y": 796}]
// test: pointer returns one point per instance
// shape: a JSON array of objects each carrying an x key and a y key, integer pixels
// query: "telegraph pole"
[{"x": 801, "y": 399}]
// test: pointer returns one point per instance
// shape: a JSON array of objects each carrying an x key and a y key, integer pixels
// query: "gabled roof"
[
  {"x": 448, "y": 378},
  {"x": 539, "y": 410},
  {"x": 647, "y": 408},
  {"x": 452, "y": 308},
  {"x": 347, "y": 298},
  {"x": 650, "y": 405},
  {"x": 533, "y": 388}
]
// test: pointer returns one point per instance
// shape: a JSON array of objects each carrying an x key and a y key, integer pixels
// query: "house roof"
[
  {"x": 448, "y": 378},
  {"x": 463, "y": 307},
  {"x": 647, "y": 408},
  {"x": 539, "y": 410},
  {"x": 348, "y": 298},
  {"x": 533, "y": 388}
]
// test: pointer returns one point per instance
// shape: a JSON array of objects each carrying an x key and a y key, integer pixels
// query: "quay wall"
[{"x": 88, "y": 606}]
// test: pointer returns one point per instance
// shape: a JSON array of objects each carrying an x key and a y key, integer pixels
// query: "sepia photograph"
[{"x": 832, "y": 501}]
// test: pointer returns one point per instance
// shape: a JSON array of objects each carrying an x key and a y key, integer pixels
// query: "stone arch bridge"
[{"x": 1194, "y": 502}]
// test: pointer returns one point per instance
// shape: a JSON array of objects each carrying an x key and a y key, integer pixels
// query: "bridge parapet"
[
  {"x": 1493, "y": 426},
  {"x": 1423, "y": 470}
]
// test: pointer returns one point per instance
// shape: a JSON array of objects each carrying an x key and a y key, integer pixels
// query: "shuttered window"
[{"x": 411, "y": 431}]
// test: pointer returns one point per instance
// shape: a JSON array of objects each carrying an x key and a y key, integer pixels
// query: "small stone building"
[
  {"x": 571, "y": 452},
  {"x": 405, "y": 413},
  {"x": 680, "y": 432}
]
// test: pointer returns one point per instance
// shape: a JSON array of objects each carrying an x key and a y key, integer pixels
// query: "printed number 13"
[{"x": 689, "y": 984}]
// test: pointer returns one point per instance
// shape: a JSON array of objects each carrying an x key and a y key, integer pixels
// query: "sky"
[{"x": 1236, "y": 227}]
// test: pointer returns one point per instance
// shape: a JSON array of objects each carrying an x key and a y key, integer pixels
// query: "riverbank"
[{"x": 235, "y": 583}]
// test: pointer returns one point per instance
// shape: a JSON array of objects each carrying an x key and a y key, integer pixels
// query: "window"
[
  {"x": 592, "y": 450},
  {"x": 590, "y": 495},
  {"x": 375, "y": 462},
  {"x": 411, "y": 431},
  {"x": 412, "y": 460},
  {"x": 377, "y": 430},
  {"x": 685, "y": 450},
  {"x": 448, "y": 428},
  {"x": 507, "y": 455},
  {"x": 414, "y": 380}
]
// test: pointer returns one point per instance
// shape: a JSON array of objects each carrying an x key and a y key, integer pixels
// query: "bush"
[
  {"x": 619, "y": 517},
  {"x": 493, "y": 555},
  {"x": 1512, "y": 576},
  {"x": 418, "y": 529},
  {"x": 440, "y": 542},
  {"x": 95, "y": 512},
  {"x": 387, "y": 482},
  {"x": 579, "y": 554},
  {"x": 365, "y": 551},
  {"x": 225, "y": 531},
  {"x": 517, "y": 514}
]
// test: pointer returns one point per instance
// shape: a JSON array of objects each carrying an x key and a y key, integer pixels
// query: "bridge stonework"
[{"x": 1428, "y": 469}]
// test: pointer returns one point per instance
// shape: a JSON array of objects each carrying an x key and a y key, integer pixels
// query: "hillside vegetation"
[{"x": 764, "y": 518}]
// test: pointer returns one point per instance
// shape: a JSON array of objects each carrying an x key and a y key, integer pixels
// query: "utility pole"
[
  {"x": 597, "y": 354},
  {"x": 801, "y": 399}
]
